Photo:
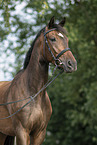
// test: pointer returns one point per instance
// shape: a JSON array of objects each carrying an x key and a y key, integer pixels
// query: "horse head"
[{"x": 56, "y": 47}]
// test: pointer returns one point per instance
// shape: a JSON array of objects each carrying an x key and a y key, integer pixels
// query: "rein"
[
  {"x": 57, "y": 63},
  {"x": 31, "y": 97}
]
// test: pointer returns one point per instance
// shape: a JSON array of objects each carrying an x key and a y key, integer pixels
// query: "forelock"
[{"x": 59, "y": 28}]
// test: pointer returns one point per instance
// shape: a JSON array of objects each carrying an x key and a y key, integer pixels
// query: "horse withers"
[{"x": 27, "y": 119}]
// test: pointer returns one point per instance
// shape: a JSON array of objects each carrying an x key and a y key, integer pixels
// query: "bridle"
[
  {"x": 57, "y": 63},
  {"x": 56, "y": 59}
]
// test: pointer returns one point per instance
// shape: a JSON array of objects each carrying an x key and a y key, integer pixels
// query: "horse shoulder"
[
  {"x": 4, "y": 87},
  {"x": 6, "y": 124}
]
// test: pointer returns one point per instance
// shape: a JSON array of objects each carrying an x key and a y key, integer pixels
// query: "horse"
[{"x": 29, "y": 123}]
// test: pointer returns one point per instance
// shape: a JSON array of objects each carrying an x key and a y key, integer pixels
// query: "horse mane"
[{"x": 28, "y": 55}]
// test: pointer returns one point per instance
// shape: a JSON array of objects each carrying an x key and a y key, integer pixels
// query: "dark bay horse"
[{"x": 29, "y": 124}]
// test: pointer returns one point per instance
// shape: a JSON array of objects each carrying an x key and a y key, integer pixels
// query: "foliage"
[{"x": 73, "y": 96}]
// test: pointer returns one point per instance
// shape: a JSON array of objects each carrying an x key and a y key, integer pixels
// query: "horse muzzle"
[{"x": 68, "y": 66}]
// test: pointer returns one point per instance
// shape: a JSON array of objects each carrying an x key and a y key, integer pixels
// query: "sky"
[
  {"x": 7, "y": 57},
  {"x": 6, "y": 60}
]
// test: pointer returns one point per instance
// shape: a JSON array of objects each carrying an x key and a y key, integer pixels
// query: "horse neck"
[{"x": 37, "y": 73}]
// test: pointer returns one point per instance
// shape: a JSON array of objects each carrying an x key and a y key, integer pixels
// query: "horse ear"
[
  {"x": 51, "y": 22},
  {"x": 62, "y": 23}
]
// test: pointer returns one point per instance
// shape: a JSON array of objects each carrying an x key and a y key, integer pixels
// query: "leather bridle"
[{"x": 56, "y": 59}]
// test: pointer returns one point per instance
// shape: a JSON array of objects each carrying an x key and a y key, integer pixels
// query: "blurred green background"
[{"x": 73, "y": 96}]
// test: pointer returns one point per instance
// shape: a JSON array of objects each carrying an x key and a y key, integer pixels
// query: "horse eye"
[{"x": 53, "y": 39}]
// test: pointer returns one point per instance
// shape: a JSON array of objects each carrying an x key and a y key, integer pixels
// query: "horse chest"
[{"x": 37, "y": 117}]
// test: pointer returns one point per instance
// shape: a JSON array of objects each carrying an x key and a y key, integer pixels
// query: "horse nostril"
[{"x": 69, "y": 63}]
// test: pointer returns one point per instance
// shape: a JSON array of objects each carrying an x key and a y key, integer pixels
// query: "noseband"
[{"x": 56, "y": 59}]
